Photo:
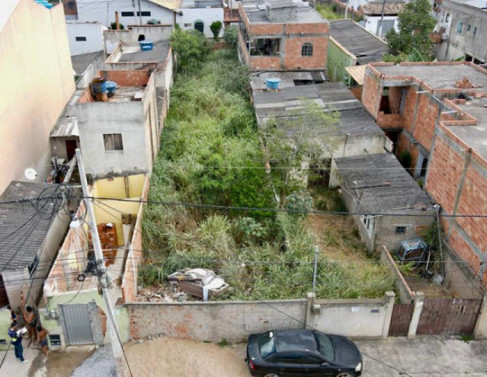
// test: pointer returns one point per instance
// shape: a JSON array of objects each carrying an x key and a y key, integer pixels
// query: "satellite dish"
[{"x": 30, "y": 174}]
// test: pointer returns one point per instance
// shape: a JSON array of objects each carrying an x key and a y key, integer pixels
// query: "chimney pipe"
[{"x": 117, "y": 22}]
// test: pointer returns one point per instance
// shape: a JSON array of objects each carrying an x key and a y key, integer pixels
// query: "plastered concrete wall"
[
  {"x": 214, "y": 321},
  {"x": 92, "y": 31},
  {"x": 337, "y": 59},
  {"x": 371, "y": 23},
  {"x": 405, "y": 293},
  {"x": 365, "y": 318},
  {"x": 5, "y": 320},
  {"x": 36, "y": 79},
  {"x": 207, "y": 15},
  {"x": 130, "y": 36}
]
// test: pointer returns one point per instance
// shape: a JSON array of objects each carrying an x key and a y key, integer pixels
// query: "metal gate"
[
  {"x": 448, "y": 316},
  {"x": 401, "y": 318},
  {"x": 77, "y": 324}
]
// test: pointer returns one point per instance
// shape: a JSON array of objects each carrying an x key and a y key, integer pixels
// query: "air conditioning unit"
[{"x": 444, "y": 36}]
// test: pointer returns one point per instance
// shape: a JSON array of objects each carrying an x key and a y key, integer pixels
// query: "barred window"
[
  {"x": 113, "y": 142},
  {"x": 307, "y": 50}
]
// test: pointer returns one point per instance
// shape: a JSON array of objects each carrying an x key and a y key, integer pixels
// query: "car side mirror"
[{"x": 325, "y": 363}]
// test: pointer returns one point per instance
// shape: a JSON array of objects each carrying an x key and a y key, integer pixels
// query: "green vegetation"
[
  {"x": 413, "y": 42},
  {"x": 215, "y": 28},
  {"x": 230, "y": 36},
  {"x": 329, "y": 12},
  {"x": 211, "y": 154},
  {"x": 191, "y": 47}
]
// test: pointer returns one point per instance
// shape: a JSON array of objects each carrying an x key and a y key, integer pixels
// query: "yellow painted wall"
[{"x": 36, "y": 81}]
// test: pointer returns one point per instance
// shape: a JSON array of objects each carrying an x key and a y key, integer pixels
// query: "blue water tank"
[
  {"x": 273, "y": 83},
  {"x": 146, "y": 45},
  {"x": 111, "y": 87},
  {"x": 99, "y": 85},
  {"x": 44, "y": 3}
]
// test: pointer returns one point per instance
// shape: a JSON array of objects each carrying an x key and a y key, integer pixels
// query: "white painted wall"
[
  {"x": 92, "y": 31},
  {"x": 207, "y": 15},
  {"x": 370, "y": 23}
]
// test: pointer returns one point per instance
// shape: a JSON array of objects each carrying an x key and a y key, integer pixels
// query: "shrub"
[
  {"x": 190, "y": 46},
  {"x": 299, "y": 201},
  {"x": 230, "y": 36},
  {"x": 113, "y": 26},
  {"x": 216, "y": 27}
]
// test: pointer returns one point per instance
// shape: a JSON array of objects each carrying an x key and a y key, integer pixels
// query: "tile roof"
[
  {"x": 169, "y": 4},
  {"x": 22, "y": 227}
]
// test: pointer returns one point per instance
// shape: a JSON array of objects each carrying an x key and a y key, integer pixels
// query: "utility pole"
[
  {"x": 379, "y": 27},
  {"x": 140, "y": 14},
  {"x": 101, "y": 272}
]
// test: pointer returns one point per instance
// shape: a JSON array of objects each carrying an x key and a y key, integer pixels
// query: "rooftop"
[
  {"x": 19, "y": 248},
  {"x": 82, "y": 61},
  {"x": 132, "y": 54},
  {"x": 380, "y": 184},
  {"x": 256, "y": 11},
  {"x": 169, "y": 4},
  {"x": 354, "y": 119},
  {"x": 437, "y": 76},
  {"x": 364, "y": 45},
  {"x": 391, "y": 8},
  {"x": 479, "y": 4},
  {"x": 474, "y": 136}
]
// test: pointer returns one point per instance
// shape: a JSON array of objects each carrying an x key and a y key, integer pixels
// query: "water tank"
[
  {"x": 99, "y": 85},
  {"x": 273, "y": 83},
  {"x": 44, "y": 3},
  {"x": 111, "y": 87},
  {"x": 146, "y": 45}
]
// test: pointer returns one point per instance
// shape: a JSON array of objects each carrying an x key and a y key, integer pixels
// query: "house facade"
[
  {"x": 282, "y": 35},
  {"x": 37, "y": 82},
  {"x": 85, "y": 37},
  {"x": 463, "y": 26},
  {"x": 436, "y": 112},
  {"x": 372, "y": 16}
]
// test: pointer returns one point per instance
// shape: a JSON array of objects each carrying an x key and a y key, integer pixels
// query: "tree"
[
  {"x": 216, "y": 27},
  {"x": 305, "y": 137},
  {"x": 415, "y": 26},
  {"x": 191, "y": 47},
  {"x": 230, "y": 36}
]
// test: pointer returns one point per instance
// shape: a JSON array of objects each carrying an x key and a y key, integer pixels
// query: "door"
[
  {"x": 200, "y": 26},
  {"x": 70, "y": 148},
  {"x": 77, "y": 324},
  {"x": 3, "y": 294},
  {"x": 314, "y": 366}
]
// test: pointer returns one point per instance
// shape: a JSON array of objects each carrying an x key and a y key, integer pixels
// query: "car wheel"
[
  {"x": 271, "y": 375},
  {"x": 344, "y": 375}
]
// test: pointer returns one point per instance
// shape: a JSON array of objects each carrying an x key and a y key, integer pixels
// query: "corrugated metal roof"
[
  {"x": 169, "y": 4},
  {"x": 22, "y": 228},
  {"x": 66, "y": 127},
  {"x": 357, "y": 72}
]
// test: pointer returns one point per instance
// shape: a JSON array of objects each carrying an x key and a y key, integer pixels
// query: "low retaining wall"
[
  {"x": 359, "y": 319},
  {"x": 406, "y": 295},
  {"x": 214, "y": 321}
]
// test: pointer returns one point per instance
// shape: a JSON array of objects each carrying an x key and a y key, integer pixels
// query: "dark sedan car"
[{"x": 283, "y": 353}]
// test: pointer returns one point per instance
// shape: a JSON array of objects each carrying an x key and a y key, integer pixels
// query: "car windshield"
[
  {"x": 266, "y": 344},
  {"x": 325, "y": 346}
]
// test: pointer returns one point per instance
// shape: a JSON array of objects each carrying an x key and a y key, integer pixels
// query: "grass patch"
[{"x": 328, "y": 12}]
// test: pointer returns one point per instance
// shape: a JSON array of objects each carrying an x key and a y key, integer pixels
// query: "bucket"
[
  {"x": 273, "y": 83},
  {"x": 99, "y": 85},
  {"x": 111, "y": 87},
  {"x": 146, "y": 45},
  {"x": 44, "y": 3}
]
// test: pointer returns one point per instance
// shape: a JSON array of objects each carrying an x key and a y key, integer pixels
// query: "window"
[
  {"x": 310, "y": 360},
  {"x": 401, "y": 229},
  {"x": 141, "y": 38},
  {"x": 459, "y": 27},
  {"x": 113, "y": 142},
  {"x": 71, "y": 5},
  {"x": 143, "y": 13},
  {"x": 55, "y": 339},
  {"x": 127, "y": 14},
  {"x": 326, "y": 347},
  {"x": 266, "y": 344},
  {"x": 447, "y": 17},
  {"x": 80, "y": 39},
  {"x": 469, "y": 27},
  {"x": 307, "y": 49},
  {"x": 265, "y": 47},
  {"x": 188, "y": 25},
  {"x": 474, "y": 31}
]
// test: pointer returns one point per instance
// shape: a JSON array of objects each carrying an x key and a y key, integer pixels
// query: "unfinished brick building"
[
  {"x": 438, "y": 112},
  {"x": 282, "y": 35}
]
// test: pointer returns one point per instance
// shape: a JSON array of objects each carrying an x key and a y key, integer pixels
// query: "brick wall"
[
  {"x": 409, "y": 108},
  {"x": 293, "y": 58},
  {"x": 371, "y": 93},
  {"x": 404, "y": 144},
  {"x": 424, "y": 127}
]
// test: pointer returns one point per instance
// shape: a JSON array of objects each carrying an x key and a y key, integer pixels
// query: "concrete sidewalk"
[
  {"x": 14, "y": 368},
  {"x": 428, "y": 356}
]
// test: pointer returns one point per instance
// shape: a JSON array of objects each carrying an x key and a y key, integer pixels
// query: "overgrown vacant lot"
[{"x": 211, "y": 155}]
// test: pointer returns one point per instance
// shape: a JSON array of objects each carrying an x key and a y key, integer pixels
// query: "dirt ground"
[
  {"x": 182, "y": 358},
  {"x": 59, "y": 363}
]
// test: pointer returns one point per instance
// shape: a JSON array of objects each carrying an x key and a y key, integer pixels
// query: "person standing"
[
  {"x": 30, "y": 323},
  {"x": 13, "y": 315},
  {"x": 42, "y": 338},
  {"x": 16, "y": 339}
]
